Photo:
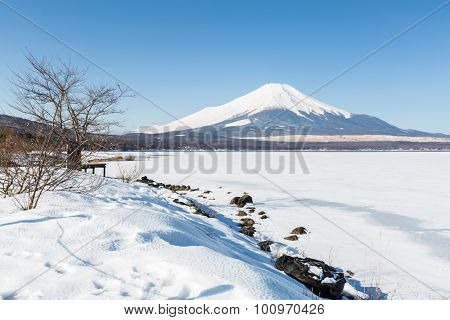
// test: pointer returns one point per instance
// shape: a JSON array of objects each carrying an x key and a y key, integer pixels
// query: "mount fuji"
[{"x": 279, "y": 109}]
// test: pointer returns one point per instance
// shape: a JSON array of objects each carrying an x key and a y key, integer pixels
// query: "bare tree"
[
  {"x": 57, "y": 95},
  {"x": 72, "y": 122}
]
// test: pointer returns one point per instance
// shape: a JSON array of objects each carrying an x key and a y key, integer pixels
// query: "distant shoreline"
[
  {"x": 349, "y": 138},
  {"x": 300, "y": 150}
]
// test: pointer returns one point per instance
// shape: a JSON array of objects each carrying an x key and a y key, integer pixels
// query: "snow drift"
[{"x": 135, "y": 243}]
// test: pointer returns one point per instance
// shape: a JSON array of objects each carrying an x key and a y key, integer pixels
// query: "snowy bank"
[{"x": 130, "y": 241}]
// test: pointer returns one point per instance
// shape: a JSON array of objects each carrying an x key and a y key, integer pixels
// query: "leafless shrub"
[
  {"x": 128, "y": 175},
  {"x": 31, "y": 166},
  {"x": 130, "y": 158},
  {"x": 7, "y": 186},
  {"x": 102, "y": 160}
]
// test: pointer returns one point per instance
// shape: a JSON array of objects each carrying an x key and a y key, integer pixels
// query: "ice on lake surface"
[
  {"x": 377, "y": 214},
  {"x": 383, "y": 216}
]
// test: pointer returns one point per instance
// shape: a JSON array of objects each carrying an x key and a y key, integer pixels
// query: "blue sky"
[{"x": 186, "y": 55}]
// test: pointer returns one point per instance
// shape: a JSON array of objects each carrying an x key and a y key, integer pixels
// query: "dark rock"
[
  {"x": 248, "y": 230},
  {"x": 184, "y": 203},
  {"x": 228, "y": 192},
  {"x": 144, "y": 178},
  {"x": 251, "y": 210},
  {"x": 291, "y": 238},
  {"x": 299, "y": 230},
  {"x": 261, "y": 213},
  {"x": 203, "y": 213},
  {"x": 241, "y": 213},
  {"x": 263, "y": 217},
  {"x": 198, "y": 211},
  {"x": 247, "y": 222},
  {"x": 178, "y": 188},
  {"x": 206, "y": 192},
  {"x": 196, "y": 189},
  {"x": 235, "y": 200},
  {"x": 329, "y": 284},
  {"x": 244, "y": 200},
  {"x": 265, "y": 245}
]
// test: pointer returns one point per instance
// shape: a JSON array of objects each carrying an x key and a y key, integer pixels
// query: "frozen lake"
[{"x": 385, "y": 216}]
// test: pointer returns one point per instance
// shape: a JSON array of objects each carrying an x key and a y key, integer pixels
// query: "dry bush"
[
  {"x": 102, "y": 160},
  {"x": 7, "y": 186},
  {"x": 30, "y": 166},
  {"x": 116, "y": 158},
  {"x": 128, "y": 175},
  {"x": 130, "y": 157}
]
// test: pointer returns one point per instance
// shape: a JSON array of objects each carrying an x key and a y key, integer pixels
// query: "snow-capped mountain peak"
[
  {"x": 279, "y": 109},
  {"x": 269, "y": 97},
  {"x": 283, "y": 96}
]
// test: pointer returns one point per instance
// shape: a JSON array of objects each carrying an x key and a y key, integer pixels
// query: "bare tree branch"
[
  {"x": 73, "y": 118},
  {"x": 57, "y": 95}
]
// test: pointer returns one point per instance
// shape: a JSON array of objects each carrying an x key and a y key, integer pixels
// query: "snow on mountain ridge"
[
  {"x": 267, "y": 97},
  {"x": 286, "y": 97}
]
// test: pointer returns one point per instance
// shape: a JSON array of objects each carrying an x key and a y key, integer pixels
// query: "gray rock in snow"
[{"x": 324, "y": 280}]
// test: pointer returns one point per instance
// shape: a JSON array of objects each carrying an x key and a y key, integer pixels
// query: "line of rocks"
[
  {"x": 197, "y": 209},
  {"x": 172, "y": 187},
  {"x": 322, "y": 279}
]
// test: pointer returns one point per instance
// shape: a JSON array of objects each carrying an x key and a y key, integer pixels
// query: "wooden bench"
[{"x": 92, "y": 166}]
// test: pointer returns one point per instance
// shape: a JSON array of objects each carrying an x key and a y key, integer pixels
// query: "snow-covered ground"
[
  {"x": 131, "y": 242},
  {"x": 384, "y": 216}
]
